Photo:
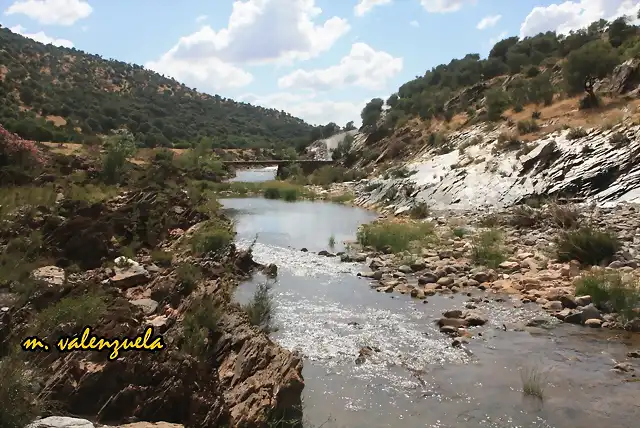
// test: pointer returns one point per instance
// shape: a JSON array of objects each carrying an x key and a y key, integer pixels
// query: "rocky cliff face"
[
  {"x": 600, "y": 166},
  {"x": 322, "y": 149}
]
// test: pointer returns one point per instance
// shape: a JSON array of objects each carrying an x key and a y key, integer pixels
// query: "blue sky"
[{"x": 320, "y": 60}]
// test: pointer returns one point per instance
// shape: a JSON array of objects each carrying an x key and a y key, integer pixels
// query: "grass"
[
  {"x": 527, "y": 126},
  {"x": 575, "y": 133},
  {"x": 459, "y": 232},
  {"x": 587, "y": 245},
  {"x": 12, "y": 198},
  {"x": 198, "y": 324},
  {"x": 396, "y": 237},
  {"x": 91, "y": 193},
  {"x": 564, "y": 216},
  {"x": 332, "y": 242},
  {"x": 342, "y": 198},
  {"x": 77, "y": 311},
  {"x": 610, "y": 290},
  {"x": 507, "y": 141},
  {"x": 211, "y": 237},
  {"x": 534, "y": 382},
  {"x": 19, "y": 405},
  {"x": 419, "y": 211},
  {"x": 161, "y": 257},
  {"x": 524, "y": 216},
  {"x": 260, "y": 308},
  {"x": 273, "y": 189},
  {"x": 335, "y": 174},
  {"x": 487, "y": 248},
  {"x": 188, "y": 276}
]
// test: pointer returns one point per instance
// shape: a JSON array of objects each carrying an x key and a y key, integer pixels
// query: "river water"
[{"x": 417, "y": 379}]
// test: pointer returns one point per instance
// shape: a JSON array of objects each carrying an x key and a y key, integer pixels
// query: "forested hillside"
[
  {"x": 49, "y": 93},
  {"x": 533, "y": 70}
]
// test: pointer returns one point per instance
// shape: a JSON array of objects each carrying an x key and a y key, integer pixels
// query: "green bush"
[
  {"x": 260, "y": 308},
  {"x": 76, "y": 311},
  {"x": 575, "y": 133},
  {"x": 200, "y": 321},
  {"x": 610, "y": 291},
  {"x": 119, "y": 146},
  {"x": 395, "y": 236},
  {"x": 19, "y": 404},
  {"x": 528, "y": 126},
  {"x": 188, "y": 277},
  {"x": 487, "y": 248},
  {"x": 162, "y": 258},
  {"x": 587, "y": 245},
  {"x": 211, "y": 238}
]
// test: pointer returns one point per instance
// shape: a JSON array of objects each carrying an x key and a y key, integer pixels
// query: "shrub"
[
  {"x": 459, "y": 232},
  {"x": 532, "y": 71},
  {"x": 19, "y": 405},
  {"x": 524, "y": 216},
  {"x": 564, "y": 216},
  {"x": 587, "y": 245},
  {"x": 536, "y": 115},
  {"x": 528, "y": 126},
  {"x": 575, "y": 133},
  {"x": 487, "y": 248},
  {"x": 496, "y": 101},
  {"x": 199, "y": 323},
  {"x": 16, "y": 151},
  {"x": 76, "y": 311},
  {"x": 188, "y": 276},
  {"x": 332, "y": 242},
  {"x": 618, "y": 139},
  {"x": 507, "y": 141},
  {"x": 533, "y": 382},
  {"x": 396, "y": 237},
  {"x": 260, "y": 308},
  {"x": 119, "y": 147},
  {"x": 162, "y": 258},
  {"x": 419, "y": 210},
  {"x": 610, "y": 291},
  {"x": 211, "y": 238}
]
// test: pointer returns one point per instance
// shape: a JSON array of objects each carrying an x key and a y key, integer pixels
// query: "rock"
[
  {"x": 633, "y": 325},
  {"x": 405, "y": 269},
  {"x": 623, "y": 367},
  {"x": 624, "y": 77},
  {"x": 323, "y": 253},
  {"x": 563, "y": 314},
  {"x": 537, "y": 322},
  {"x": 573, "y": 318},
  {"x": 271, "y": 270},
  {"x": 445, "y": 281},
  {"x": 459, "y": 341},
  {"x": 453, "y": 313},
  {"x": 60, "y": 422},
  {"x": 365, "y": 352},
  {"x": 593, "y": 323},
  {"x": 130, "y": 276},
  {"x": 633, "y": 354},
  {"x": 427, "y": 278},
  {"x": 568, "y": 302},
  {"x": 553, "y": 306},
  {"x": 590, "y": 312},
  {"x": 418, "y": 293},
  {"x": 418, "y": 265},
  {"x": 146, "y": 425},
  {"x": 304, "y": 250},
  {"x": 360, "y": 258},
  {"x": 450, "y": 330},
  {"x": 583, "y": 300},
  {"x": 474, "y": 318},
  {"x": 52, "y": 276},
  {"x": 481, "y": 277},
  {"x": 509, "y": 265},
  {"x": 148, "y": 306},
  {"x": 452, "y": 322}
]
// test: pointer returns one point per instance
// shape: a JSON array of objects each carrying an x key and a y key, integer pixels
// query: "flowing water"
[{"x": 416, "y": 378}]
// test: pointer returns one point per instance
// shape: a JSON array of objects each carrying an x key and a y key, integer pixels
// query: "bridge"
[{"x": 307, "y": 166}]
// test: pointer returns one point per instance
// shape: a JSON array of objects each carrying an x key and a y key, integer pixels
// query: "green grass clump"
[
  {"x": 19, "y": 405},
  {"x": 609, "y": 290},
  {"x": 459, "y": 232},
  {"x": 588, "y": 246},
  {"x": 199, "y": 322},
  {"x": 343, "y": 198},
  {"x": 212, "y": 237},
  {"x": 487, "y": 248},
  {"x": 77, "y": 311},
  {"x": 534, "y": 382},
  {"x": 397, "y": 237},
  {"x": 188, "y": 276},
  {"x": 161, "y": 257},
  {"x": 332, "y": 242},
  {"x": 260, "y": 308}
]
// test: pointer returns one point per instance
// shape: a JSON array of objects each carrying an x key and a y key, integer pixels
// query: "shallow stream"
[{"x": 417, "y": 379}]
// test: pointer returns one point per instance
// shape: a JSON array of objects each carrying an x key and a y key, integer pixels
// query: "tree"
[
  {"x": 596, "y": 59},
  {"x": 619, "y": 31},
  {"x": 349, "y": 126},
  {"x": 119, "y": 146},
  {"x": 501, "y": 48},
  {"x": 372, "y": 112},
  {"x": 541, "y": 89},
  {"x": 496, "y": 102},
  {"x": 493, "y": 67},
  {"x": 392, "y": 101}
]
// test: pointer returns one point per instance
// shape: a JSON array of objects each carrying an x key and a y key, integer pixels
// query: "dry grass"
[{"x": 534, "y": 382}]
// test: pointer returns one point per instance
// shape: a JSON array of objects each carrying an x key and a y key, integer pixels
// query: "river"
[{"x": 417, "y": 379}]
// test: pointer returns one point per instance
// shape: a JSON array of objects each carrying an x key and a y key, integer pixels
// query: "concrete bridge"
[{"x": 307, "y": 166}]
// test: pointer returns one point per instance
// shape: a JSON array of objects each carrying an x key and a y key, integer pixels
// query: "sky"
[{"x": 320, "y": 60}]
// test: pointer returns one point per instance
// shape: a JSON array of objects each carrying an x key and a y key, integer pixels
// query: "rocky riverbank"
[{"x": 153, "y": 255}]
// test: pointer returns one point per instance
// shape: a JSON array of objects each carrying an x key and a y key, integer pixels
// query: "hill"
[
  {"x": 50, "y": 93},
  {"x": 531, "y": 86}
]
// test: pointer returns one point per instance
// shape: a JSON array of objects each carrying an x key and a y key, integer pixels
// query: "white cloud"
[
  {"x": 201, "y": 18},
  {"x": 41, "y": 37},
  {"x": 444, "y": 6},
  {"x": 494, "y": 40},
  {"x": 572, "y": 15},
  {"x": 258, "y": 32},
  {"x": 308, "y": 107},
  {"x": 363, "y": 66},
  {"x": 365, "y": 6},
  {"x": 414, "y": 23},
  {"x": 52, "y": 12},
  {"x": 488, "y": 22}
]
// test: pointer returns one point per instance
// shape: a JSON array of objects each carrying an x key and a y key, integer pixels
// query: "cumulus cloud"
[
  {"x": 258, "y": 32},
  {"x": 572, "y": 15},
  {"x": 307, "y": 106},
  {"x": 488, "y": 22},
  {"x": 363, "y": 66},
  {"x": 41, "y": 37},
  {"x": 365, "y": 6},
  {"x": 444, "y": 6},
  {"x": 51, "y": 12}
]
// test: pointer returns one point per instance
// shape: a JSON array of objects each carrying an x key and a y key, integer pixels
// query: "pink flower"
[{"x": 17, "y": 150}]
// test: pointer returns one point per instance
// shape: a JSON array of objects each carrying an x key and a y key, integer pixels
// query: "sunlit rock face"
[{"x": 600, "y": 167}]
